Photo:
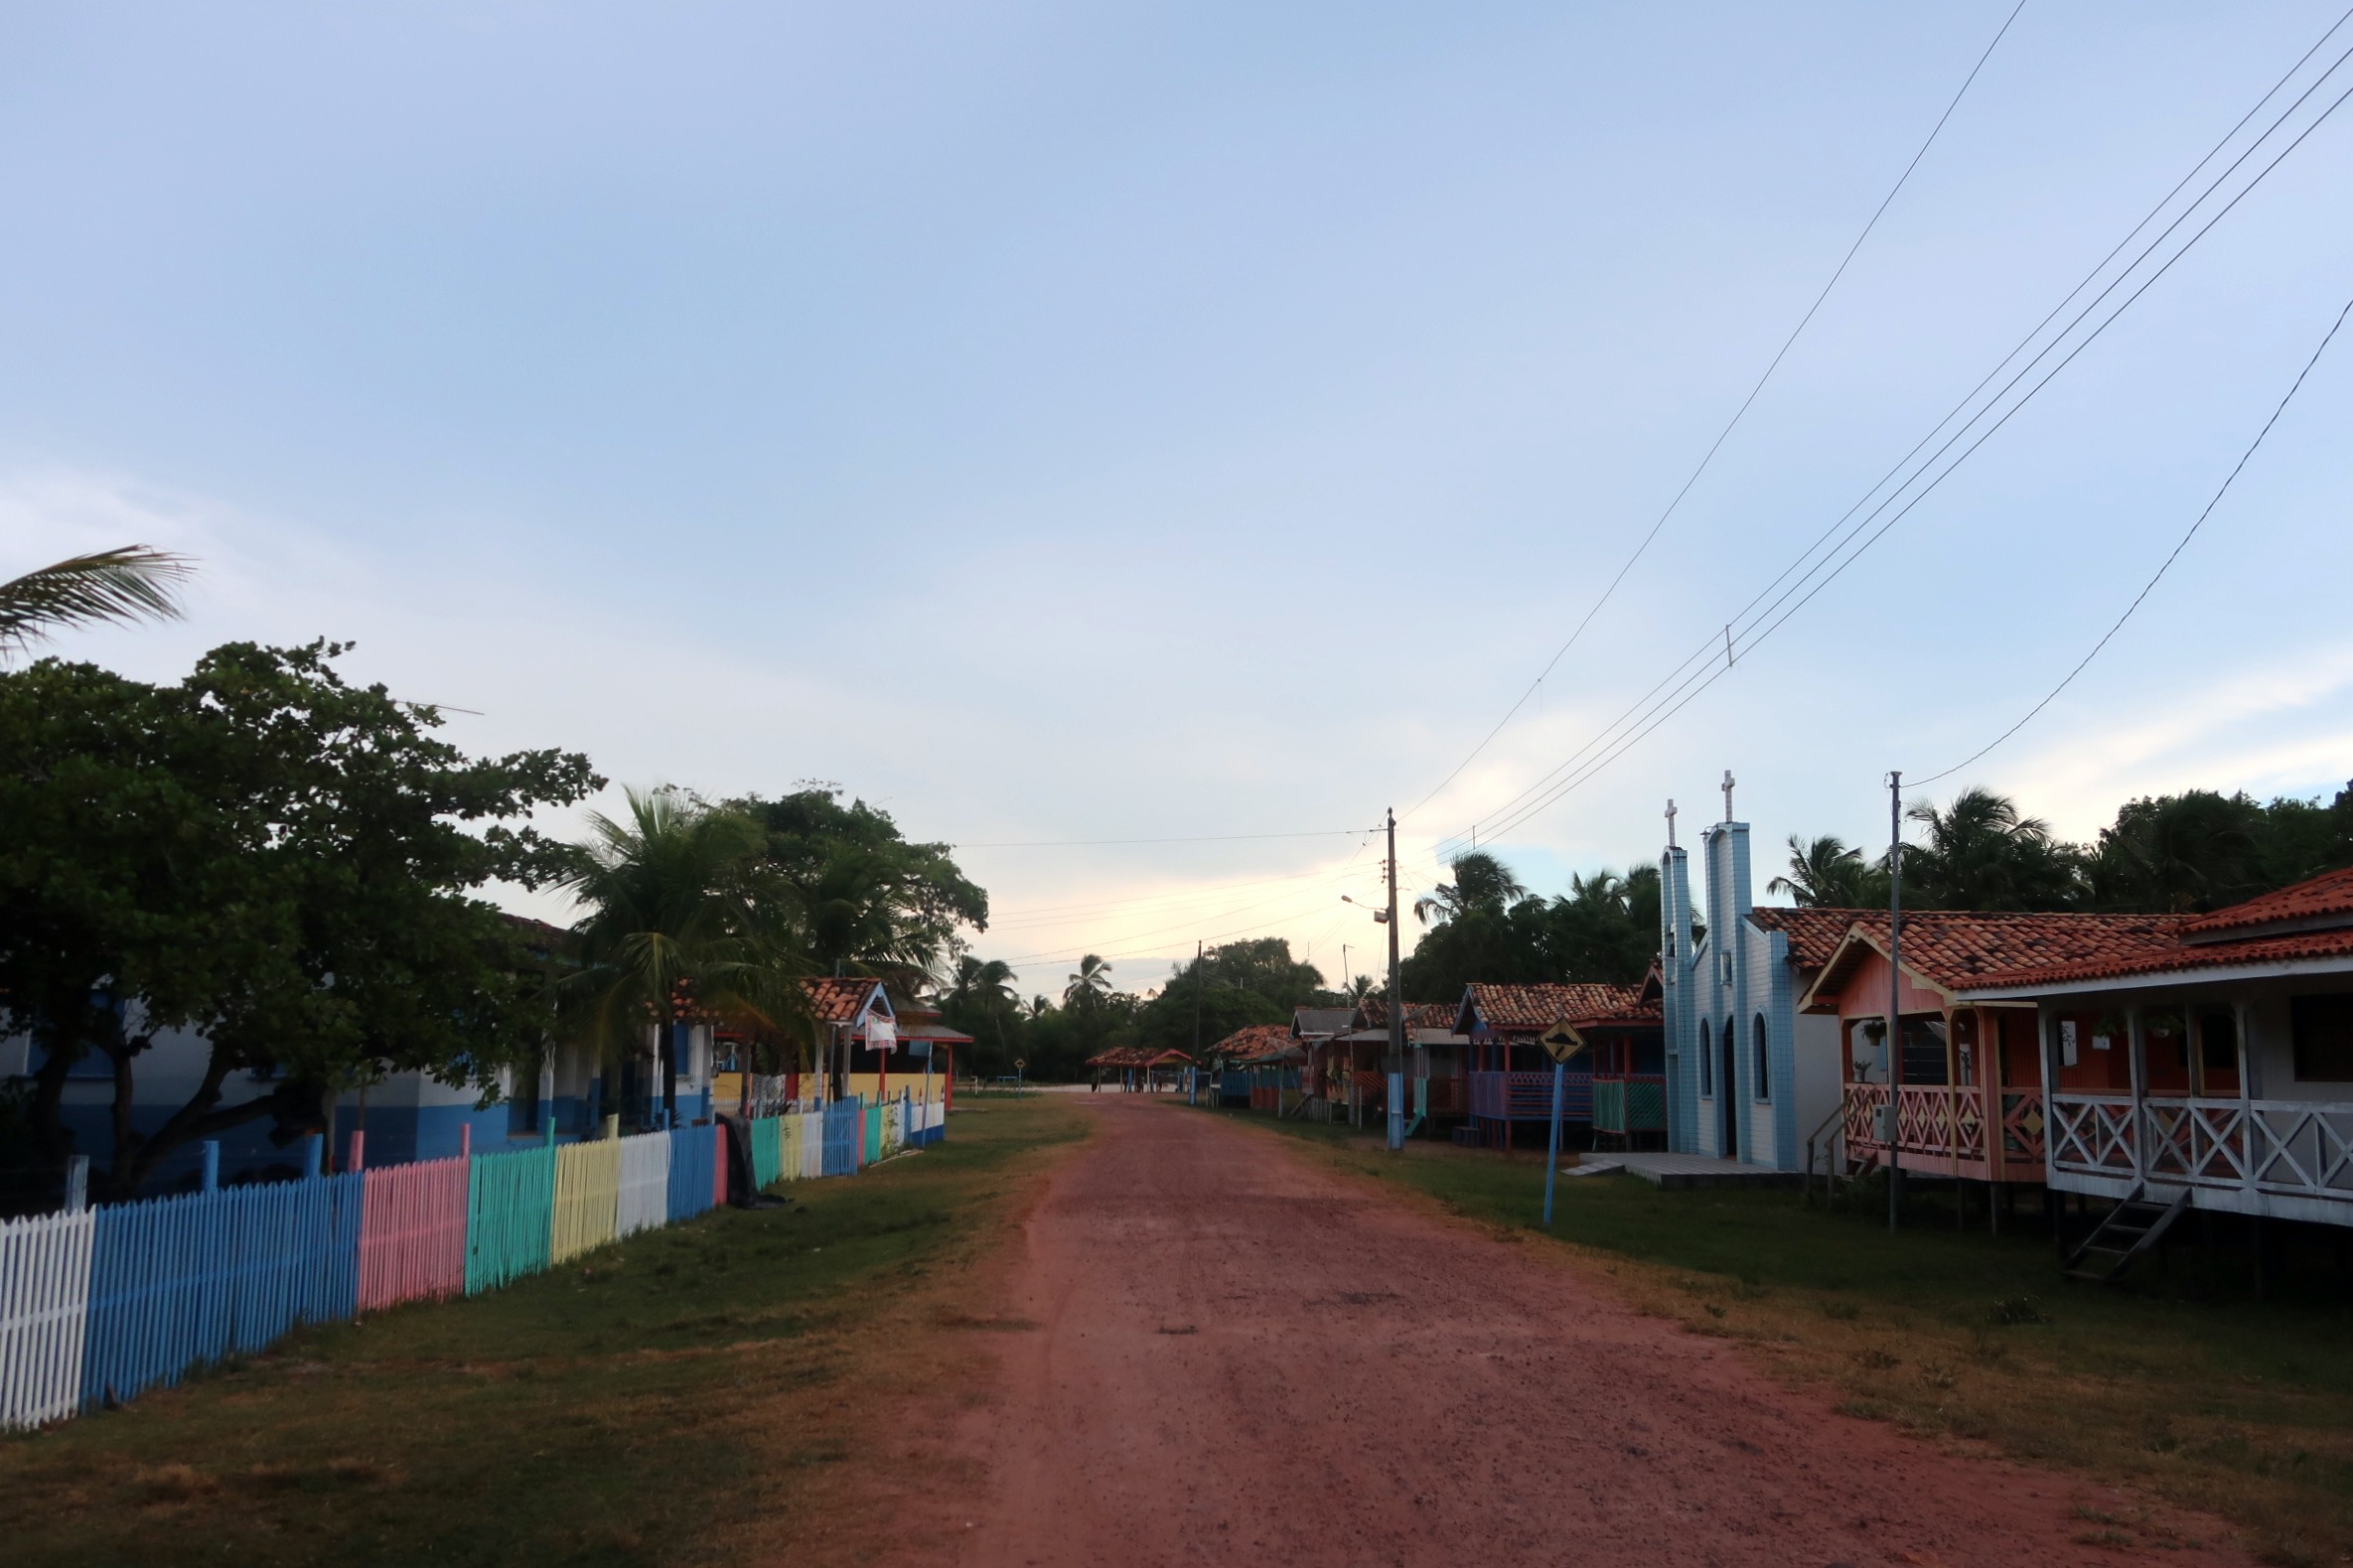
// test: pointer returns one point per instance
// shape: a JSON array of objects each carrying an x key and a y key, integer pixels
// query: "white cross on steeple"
[
  {"x": 1727, "y": 794},
  {"x": 1670, "y": 824}
]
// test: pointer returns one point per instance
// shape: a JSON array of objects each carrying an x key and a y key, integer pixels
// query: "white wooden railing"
[{"x": 2291, "y": 1148}]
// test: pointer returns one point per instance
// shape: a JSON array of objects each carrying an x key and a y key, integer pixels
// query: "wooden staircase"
[{"x": 2128, "y": 1230}]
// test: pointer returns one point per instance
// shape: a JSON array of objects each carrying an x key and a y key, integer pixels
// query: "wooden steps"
[{"x": 2128, "y": 1231}]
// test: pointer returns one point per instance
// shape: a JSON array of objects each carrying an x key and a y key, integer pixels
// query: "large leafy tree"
[
  {"x": 132, "y": 583},
  {"x": 1236, "y": 984},
  {"x": 684, "y": 916},
  {"x": 272, "y": 858},
  {"x": 873, "y": 902}
]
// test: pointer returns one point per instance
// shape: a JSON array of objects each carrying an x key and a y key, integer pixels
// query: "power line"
[
  {"x": 1053, "y": 914},
  {"x": 2150, "y": 586},
  {"x": 1208, "y": 838},
  {"x": 1545, "y": 792},
  {"x": 1730, "y": 425}
]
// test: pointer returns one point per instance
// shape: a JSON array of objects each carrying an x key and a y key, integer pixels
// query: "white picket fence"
[
  {"x": 644, "y": 1183},
  {"x": 812, "y": 1144},
  {"x": 44, "y": 1313}
]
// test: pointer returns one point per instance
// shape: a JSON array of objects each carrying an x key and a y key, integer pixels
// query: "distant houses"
[{"x": 2153, "y": 1063}]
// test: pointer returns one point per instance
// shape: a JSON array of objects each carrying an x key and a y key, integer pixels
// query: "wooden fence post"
[
  {"x": 76, "y": 1182},
  {"x": 211, "y": 1150},
  {"x": 465, "y": 1140},
  {"x": 352, "y": 1161}
]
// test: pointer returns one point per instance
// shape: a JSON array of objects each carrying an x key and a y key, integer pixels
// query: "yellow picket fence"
[{"x": 587, "y": 1198}]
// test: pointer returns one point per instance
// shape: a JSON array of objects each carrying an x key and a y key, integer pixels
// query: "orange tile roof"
[
  {"x": 1814, "y": 935},
  {"x": 839, "y": 998},
  {"x": 1419, "y": 1015},
  {"x": 2179, "y": 957},
  {"x": 2318, "y": 898},
  {"x": 1530, "y": 1009},
  {"x": 1136, "y": 1057},
  {"x": 1257, "y": 1040},
  {"x": 1955, "y": 948}
]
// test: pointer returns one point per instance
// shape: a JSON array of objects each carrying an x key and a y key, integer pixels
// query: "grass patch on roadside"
[
  {"x": 618, "y": 1410},
  {"x": 2238, "y": 1408}
]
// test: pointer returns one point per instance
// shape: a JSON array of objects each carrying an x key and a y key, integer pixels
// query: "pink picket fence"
[{"x": 412, "y": 1233}]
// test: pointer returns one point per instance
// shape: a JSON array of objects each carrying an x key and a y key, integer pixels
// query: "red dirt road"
[{"x": 1243, "y": 1358}]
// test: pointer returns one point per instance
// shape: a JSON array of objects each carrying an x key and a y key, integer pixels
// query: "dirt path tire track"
[{"x": 1242, "y": 1357}]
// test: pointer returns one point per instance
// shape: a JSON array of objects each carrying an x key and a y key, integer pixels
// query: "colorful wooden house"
[
  {"x": 1749, "y": 1076},
  {"x": 1510, "y": 1078},
  {"x": 1316, "y": 1029},
  {"x": 2205, "y": 1061},
  {"x": 1965, "y": 1079},
  {"x": 1253, "y": 1064}
]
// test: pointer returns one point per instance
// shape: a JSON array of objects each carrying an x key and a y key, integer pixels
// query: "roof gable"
[
  {"x": 2316, "y": 903},
  {"x": 1946, "y": 950}
]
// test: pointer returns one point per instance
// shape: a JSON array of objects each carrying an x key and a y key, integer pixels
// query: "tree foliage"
[
  {"x": 1490, "y": 930},
  {"x": 274, "y": 858},
  {"x": 131, "y": 583}
]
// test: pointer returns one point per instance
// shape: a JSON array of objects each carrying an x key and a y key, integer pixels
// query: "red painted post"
[
  {"x": 352, "y": 1161},
  {"x": 465, "y": 1140},
  {"x": 718, "y": 1164}
]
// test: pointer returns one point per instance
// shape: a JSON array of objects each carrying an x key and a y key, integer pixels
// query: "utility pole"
[
  {"x": 1396, "y": 1004},
  {"x": 1197, "y": 1013},
  {"x": 1895, "y": 986}
]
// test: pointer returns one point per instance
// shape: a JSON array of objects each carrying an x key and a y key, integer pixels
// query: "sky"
[{"x": 1195, "y": 426}]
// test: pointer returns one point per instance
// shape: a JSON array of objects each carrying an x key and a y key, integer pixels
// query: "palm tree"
[
  {"x": 1827, "y": 873},
  {"x": 1089, "y": 985},
  {"x": 1481, "y": 881},
  {"x": 1981, "y": 854},
  {"x": 856, "y": 926},
  {"x": 128, "y": 584},
  {"x": 680, "y": 920},
  {"x": 1037, "y": 1007}
]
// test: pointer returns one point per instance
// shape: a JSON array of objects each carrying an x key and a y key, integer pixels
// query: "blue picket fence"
[
  {"x": 845, "y": 1131},
  {"x": 692, "y": 1152},
  {"x": 178, "y": 1283}
]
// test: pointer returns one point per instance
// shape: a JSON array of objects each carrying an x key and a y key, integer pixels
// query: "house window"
[
  {"x": 1924, "y": 1049},
  {"x": 1764, "y": 1067},
  {"x": 1706, "y": 1066},
  {"x": 2323, "y": 1033}
]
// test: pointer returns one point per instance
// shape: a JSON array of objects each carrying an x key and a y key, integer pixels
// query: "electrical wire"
[
  {"x": 2164, "y": 567},
  {"x": 1730, "y": 425},
  {"x": 1208, "y": 838},
  {"x": 1744, "y": 634}
]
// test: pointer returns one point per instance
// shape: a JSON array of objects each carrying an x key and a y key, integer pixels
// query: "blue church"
[{"x": 1748, "y": 1076}]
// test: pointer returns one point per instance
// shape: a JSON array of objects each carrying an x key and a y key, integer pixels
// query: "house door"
[{"x": 1727, "y": 1085}]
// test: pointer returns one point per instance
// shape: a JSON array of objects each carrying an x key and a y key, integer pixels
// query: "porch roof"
[
  {"x": 1254, "y": 1040},
  {"x": 1136, "y": 1057},
  {"x": 2322, "y": 900},
  {"x": 1952, "y": 950}
]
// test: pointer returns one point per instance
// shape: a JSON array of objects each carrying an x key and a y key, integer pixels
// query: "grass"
[
  {"x": 2186, "y": 1390},
  {"x": 651, "y": 1402}
]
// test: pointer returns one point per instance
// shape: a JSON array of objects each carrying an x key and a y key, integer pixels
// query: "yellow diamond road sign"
[{"x": 1561, "y": 1042}]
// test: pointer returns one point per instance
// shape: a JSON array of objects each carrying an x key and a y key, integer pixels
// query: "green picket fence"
[
  {"x": 768, "y": 1152},
  {"x": 510, "y": 1220}
]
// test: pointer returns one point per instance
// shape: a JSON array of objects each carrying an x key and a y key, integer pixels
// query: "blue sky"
[{"x": 1152, "y": 422}]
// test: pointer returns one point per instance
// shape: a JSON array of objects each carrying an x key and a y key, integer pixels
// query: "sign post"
[
  {"x": 1561, "y": 1042},
  {"x": 1019, "y": 1062}
]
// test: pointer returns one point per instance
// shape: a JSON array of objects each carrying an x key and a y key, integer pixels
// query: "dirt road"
[{"x": 1239, "y": 1357}]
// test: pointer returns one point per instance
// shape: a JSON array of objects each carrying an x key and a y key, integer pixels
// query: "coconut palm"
[
  {"x": 1481, "y": 881},
  {"x": 680, "y": 920},
  {"x": 128, "y": 584},
  {"x": 1827, "y": 873},
  {"x": 1089, "y": 985},
  {"x": 1980, "y": 853}
]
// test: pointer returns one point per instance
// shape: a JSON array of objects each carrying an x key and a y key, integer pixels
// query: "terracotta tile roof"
[
  {"x": 1956, "y": 948},
  {"x": 1531, "y": 1009},
  {"x": 2180, "y": 957},
  {"x": 1136, "y": 1057},
  {"x": 2321, "y": 899},
  {"x": 928, "y": 1029},
  {"x": 839, "y": 999},
  {"x": 1374, "y": 1011},
  {"x": 1255, "y": 1041},
  {"x": 1814, "y": 935}
]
